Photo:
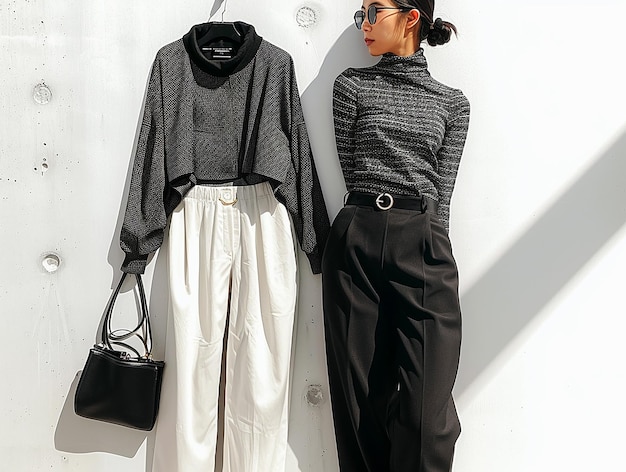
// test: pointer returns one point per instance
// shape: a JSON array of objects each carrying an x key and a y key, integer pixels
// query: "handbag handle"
[{"x": 143, "y": 330}]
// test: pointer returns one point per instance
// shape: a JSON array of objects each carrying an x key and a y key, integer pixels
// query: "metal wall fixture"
[
  {"x": 42, "y": 94},
  {"x": 51, "y": 262},
  {"x": 306, "y": 17},
  {"x": 314, "y": 395}
]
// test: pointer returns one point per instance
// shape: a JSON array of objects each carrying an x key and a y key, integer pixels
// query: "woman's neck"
[{"x": 408, "y": 46}]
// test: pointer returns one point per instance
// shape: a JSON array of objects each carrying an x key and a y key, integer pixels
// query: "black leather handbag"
[{"x": 121, "y": 386}]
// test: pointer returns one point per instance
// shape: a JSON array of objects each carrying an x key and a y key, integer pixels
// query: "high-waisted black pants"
[{"x": 393, "y": 334}]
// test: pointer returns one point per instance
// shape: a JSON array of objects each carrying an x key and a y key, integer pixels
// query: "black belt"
[{"x": 385, "y": 201}]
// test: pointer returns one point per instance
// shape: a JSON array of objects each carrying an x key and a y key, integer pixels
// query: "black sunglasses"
[{"x": 372, "y": 11}]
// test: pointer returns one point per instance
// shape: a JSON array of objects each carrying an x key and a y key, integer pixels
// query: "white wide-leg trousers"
[{"x": 238, "y": 241}]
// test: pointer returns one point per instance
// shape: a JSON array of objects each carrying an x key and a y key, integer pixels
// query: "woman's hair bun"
[{"x": 440, "y": 32}]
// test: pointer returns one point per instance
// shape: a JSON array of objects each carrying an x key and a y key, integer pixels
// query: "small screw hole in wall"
[{"x": 43, "y": 168}]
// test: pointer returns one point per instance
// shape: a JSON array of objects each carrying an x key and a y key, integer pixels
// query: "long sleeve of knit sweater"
[{"x": 146, "y": 214}]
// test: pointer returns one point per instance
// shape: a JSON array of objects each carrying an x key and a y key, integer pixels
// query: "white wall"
[{"x": 537, "y": 220}]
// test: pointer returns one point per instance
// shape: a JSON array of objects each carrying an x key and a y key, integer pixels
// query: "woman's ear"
[{"x": 413, "y": 18}]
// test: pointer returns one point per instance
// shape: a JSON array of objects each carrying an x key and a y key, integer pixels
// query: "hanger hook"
[{"x": 224, "y": 11}]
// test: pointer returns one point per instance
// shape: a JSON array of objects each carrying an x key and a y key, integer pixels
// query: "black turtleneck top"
[
  {"x": 400, "y": 131},
  {"x": 216, "y": 121}
]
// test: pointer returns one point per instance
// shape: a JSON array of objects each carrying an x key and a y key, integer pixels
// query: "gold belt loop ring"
[{"x": 380, "y": 199}]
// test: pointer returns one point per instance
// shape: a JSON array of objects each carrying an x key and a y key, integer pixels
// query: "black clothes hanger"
[{"x": 220, "y": 31}]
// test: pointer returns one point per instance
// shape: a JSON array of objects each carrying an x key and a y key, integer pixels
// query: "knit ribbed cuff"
[
  {"x": 315, "y": 259},
  {"x": 134, "y": 264}
]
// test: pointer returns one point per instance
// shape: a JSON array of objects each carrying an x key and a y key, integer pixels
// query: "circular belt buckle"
[{"x": 380, "y": 199}]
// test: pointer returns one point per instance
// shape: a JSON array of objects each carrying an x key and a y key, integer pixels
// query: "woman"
[{"x": 391, "y": 304}]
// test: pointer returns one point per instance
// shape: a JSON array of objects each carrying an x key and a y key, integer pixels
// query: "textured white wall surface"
[{"x": 537, "y": 220}]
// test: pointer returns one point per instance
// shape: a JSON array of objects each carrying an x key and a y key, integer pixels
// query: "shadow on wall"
[
  {"x": 348, "y": 51},
  {"x": 541, "y": 262},
  {"x": 311, "y": 438},
  {"x": 80, "y": 435}
]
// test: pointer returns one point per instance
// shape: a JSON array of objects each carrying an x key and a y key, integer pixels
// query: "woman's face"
[{"x": 388, "y": 33}]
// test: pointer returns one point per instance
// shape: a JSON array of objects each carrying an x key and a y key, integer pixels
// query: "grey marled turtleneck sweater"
[{"x": 400, "y": 131}]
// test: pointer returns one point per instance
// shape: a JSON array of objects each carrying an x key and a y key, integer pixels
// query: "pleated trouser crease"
[
  {"x": 393, "y": 333},
  {"x": 232, "y": 277}
]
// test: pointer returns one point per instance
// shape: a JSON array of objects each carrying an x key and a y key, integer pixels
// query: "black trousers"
[{"x": 393, "y": 333}]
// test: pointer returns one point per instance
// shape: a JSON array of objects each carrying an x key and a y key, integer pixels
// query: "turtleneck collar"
[
  {"x": 222, "y": 68},
  {"x": 413, "y": 63}
]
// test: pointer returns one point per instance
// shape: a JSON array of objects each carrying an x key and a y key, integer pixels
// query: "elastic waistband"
[
  {"x": 229, "y": 193},
  {"x": 385, "y": 201}
]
